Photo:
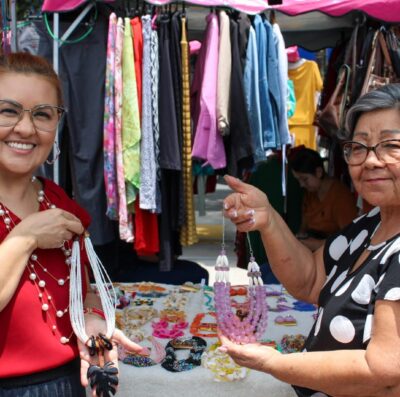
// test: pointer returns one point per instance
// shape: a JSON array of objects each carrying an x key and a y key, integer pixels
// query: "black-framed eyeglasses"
[
  {"x": 44, "y": 117},
  {"x": 388, "y": 151}
]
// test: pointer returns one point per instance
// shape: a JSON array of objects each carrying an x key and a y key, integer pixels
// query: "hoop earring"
[{"x": 56, "y": 156}]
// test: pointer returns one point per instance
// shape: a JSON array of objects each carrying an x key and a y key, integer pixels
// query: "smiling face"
[
  {"x": 22, "y": 148},
  {"x": 375, "y": 181}
]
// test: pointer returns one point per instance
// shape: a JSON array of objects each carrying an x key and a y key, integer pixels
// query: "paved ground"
[{"x": 209, "y": 228}]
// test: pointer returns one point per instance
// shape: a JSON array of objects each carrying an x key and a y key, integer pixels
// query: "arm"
[
  {"x": 45, "y": 229},
  {"x": 342, "y": 373},
  {"x": 297, "y": 268}
]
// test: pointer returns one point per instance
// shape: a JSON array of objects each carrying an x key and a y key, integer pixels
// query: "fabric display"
[{"x": 180, "y": 330}]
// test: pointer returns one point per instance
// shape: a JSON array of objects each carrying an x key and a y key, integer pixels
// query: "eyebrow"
[{"x": 365, "y": 134}]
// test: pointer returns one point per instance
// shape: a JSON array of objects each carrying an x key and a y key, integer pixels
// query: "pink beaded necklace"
[
  {"x": 48, "y": 305},
  {"x": 248, "y": 327}
]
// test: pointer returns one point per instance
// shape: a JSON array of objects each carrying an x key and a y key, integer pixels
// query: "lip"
[{"x": 376, "y": 180}]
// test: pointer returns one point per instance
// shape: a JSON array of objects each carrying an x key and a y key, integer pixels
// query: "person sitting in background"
[{"x": 328, "y": 205}]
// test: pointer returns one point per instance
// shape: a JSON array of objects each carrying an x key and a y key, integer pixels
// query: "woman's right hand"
[
  {"x": 49, "y": 228},
  {"x": 248, "y": 207}
]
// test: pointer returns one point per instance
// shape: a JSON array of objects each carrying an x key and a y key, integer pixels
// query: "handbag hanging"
[
  {"x": 332, "y": 117},
  {"x": 379, "y": 75}
]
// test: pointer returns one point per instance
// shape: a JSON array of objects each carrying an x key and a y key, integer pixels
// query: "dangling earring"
[{"x": 57, "y": 154}]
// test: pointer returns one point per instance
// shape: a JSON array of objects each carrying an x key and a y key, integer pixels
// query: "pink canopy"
[{"x": 385, "y": 10}]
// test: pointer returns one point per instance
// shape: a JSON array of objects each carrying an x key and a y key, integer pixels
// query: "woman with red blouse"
[{"x": 39, "y": 353}]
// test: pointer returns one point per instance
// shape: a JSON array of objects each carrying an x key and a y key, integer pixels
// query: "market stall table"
[{"x": 286, "y": 316}]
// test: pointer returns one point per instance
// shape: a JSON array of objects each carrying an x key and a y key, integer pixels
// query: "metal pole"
[
  {"x": 56, "y": 30},
  {"x": 14, "y": 42}
]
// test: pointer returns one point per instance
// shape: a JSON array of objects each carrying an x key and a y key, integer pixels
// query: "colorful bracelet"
[{"x": 94, "y": 311}]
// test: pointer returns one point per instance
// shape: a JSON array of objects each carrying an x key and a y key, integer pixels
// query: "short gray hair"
[{"x": 386, "y": 97}]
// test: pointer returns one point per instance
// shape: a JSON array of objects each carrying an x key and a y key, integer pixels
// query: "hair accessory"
[
  {"x": 103, "y": 284},
  {"x": 196, "y": 345},
  {"x": 240, "y": 327}
]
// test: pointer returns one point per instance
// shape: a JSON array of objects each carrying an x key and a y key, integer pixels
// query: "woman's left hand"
[
  {"x": 93, "y": 327},
  {"x": 252, "y": 355}
]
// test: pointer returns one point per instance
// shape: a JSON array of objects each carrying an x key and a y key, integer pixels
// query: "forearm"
[
  {"x": 292, "y": 263},
  {"x": 343, "y": 373},
  {"x": 14, "y": 254}
]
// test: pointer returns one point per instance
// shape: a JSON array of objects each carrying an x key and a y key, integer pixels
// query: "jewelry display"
[
  {"x": 203, "y": 329},
  {"x": 37, "y": 273},
  {"x": 196, "y": 345},
  {"x": 222, "y": 365},
  {"x": 240, "y": 327},
  {"x": 173, "y": 316}
]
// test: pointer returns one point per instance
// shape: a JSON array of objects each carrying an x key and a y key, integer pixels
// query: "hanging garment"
[
  {"x": 170, "y": 153},
  {"x": 125, "y": 222},
  {"x": 188, "y": 234},
  {"x": 283, "y": 126},
  {"x": 155, "y": 68},
  {"x": 130, "y": 119},
  {"x": 110, "y": 176},
  {"x": 224, "y": 74},
  {"x": 273, "y": 80},
  {"x": 176, "y": 69},
  {"x": 307, "y": 84},
  {"x": 238, "y": 144},
  {"x": 148, "y": 182},
  {"x": 137, "y": 37},
  {"x": 64, "y": 5},
  {"x": 208, "y": 143},
  {"x": 291, "y": 99},
  {"x": 252, "y": 96},
  {"x": 82, "y": 73},
  {"x": 244, "y": 25},
  {"x": 268, "y": 131}
]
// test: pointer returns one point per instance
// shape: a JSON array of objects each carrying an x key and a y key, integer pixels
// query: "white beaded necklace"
[{"x": 47, "y": 302}]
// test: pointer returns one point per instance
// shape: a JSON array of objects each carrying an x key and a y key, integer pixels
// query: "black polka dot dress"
[{"x": 347, "y": 300}]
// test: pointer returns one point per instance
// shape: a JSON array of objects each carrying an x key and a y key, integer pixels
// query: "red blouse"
[{"x": 28, "y": 343}]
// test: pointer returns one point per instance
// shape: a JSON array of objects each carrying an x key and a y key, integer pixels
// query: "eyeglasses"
[
  {"x": 44, "y": 117},
  {"x": 355, "y": 153}
]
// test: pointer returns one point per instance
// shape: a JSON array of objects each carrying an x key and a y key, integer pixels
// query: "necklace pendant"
[
  {"x": 32, "y": 276},
  {"x": 42, "y": 283},
  {"x": 45, "y": 307},
  {"x": 60, "y": 313},
  {"x": 64, "y": 340},
  {"x": 61, "y": 282}
]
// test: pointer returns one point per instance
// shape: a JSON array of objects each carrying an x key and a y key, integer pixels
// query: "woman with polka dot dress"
[{"x": 353, "y": 349}]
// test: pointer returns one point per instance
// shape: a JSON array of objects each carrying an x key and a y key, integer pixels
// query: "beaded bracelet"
[
  {"x": 94, "y": 311},
  {"x": 222, "y": 365},
  {"x": 196, "y": 345},
  {"x": 157, "y": 354}
]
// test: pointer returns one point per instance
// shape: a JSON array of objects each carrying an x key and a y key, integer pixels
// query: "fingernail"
[
  {"x": 234, "y": 213},
  {"x": 222, "y": 349},
  {"x": 250, "y": 212},
  {"x": 252, "y": 220},
  {"x": 145, "y": 352},
  {"x": 226, "y": 206}
]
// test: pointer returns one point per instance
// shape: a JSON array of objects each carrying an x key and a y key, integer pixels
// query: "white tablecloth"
[{"x": 156, "y": 381}]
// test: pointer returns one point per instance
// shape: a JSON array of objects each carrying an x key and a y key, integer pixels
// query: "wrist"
[{"x": 94, "y": 311}]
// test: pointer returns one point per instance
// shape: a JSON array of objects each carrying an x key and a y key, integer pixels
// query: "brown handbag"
[
  {"x": 332, "y": 117},
  {"x": 379, "y": 73}
]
